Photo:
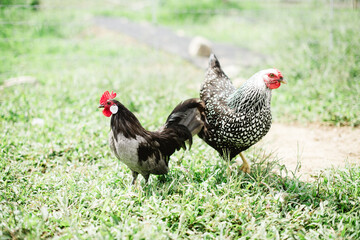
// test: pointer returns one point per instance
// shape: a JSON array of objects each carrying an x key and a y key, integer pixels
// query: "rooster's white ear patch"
[{"x": 114, "y": 109}]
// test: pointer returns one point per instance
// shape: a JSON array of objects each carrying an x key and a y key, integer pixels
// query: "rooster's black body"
[{"x": 146, "y": 152}]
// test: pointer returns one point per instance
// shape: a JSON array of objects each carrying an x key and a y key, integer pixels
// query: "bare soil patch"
[{"x": 316, "y": 147}]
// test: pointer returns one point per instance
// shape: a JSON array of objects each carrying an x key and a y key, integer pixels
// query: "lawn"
[{"x": 58, "y": 178}]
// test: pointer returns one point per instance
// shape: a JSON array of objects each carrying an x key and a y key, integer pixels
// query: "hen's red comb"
[
  {"x": 279, "y": 73},
  {"x": 106, "y": 96}
]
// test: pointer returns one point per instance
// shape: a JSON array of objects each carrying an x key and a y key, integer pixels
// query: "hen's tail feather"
[
  {"x": 214, "y": 66},
  {"x": 213, "y": 61}
]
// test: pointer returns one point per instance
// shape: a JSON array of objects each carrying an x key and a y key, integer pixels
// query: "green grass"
[{"x": 59, "y": 179}]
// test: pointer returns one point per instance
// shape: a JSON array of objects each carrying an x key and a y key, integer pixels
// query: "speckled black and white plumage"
[
  {"x": 236, "y": 118},
  {"x": 148, "y": 152}
]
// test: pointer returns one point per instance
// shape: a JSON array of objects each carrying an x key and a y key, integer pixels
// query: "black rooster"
[{"x": 147, "y": 152}]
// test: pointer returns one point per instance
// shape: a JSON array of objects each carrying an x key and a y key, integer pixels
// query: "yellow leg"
[{"x": 245, "y": 167}]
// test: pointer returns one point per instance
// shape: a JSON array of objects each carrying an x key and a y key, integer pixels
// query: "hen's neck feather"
[{"x": 252, "y": 94}]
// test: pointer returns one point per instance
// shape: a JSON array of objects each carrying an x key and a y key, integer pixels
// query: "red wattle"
[
  {"x": 106, "y": 112},
  {"x": 273, "y": 85}
]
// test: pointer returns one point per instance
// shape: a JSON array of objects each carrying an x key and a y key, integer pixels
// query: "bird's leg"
[
  {"x": 181, "y": 158},
  {"x": 134, "y": 174},
  {"x": 146, "y": 178},
  {"x": 245, "y": 167}
]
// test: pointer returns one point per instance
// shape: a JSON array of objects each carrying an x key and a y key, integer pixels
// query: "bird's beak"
[
  {"x": 101, "y": 106},
  {"x": 283, "y": 81}
]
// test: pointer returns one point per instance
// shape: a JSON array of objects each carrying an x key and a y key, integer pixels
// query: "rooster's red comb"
[{"x": 106, "y": 96}]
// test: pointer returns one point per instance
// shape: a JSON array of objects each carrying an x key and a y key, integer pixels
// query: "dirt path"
[
  {"x": 160, "y": 37},
  {"x": 317, "y": 147}
]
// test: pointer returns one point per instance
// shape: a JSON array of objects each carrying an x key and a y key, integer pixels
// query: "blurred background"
[{"x": 314, "y": 43}]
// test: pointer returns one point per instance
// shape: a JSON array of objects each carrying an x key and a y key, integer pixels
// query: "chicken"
[
  {"x": 147, "y": 152},
  {"x": 236, "y": 118}
]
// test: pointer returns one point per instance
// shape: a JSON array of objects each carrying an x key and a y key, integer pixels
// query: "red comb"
[
  {"x": 279, "y": 73},
  {"x": 106, "y": 96}
]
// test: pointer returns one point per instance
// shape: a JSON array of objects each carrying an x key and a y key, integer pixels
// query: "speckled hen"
[
  {"x": 236, "y": 118},
  {"x": 148, "y": 152}
]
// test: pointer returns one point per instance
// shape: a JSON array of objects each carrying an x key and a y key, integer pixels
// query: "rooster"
[
  {"x": 147, "y": 152},
  {"x": 236, "y": 118}
]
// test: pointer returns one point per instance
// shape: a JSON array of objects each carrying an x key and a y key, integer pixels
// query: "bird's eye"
[
  {"x": 271, "y": 75},
  {"x": 108, "y": 103}
]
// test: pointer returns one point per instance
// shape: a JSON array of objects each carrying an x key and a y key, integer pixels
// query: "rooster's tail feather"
[
  {"x": 190, "y": 114},
  {"x": 187, "y": 119}
]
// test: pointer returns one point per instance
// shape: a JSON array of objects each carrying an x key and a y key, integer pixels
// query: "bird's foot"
[{"x": 245, "y": 168}]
